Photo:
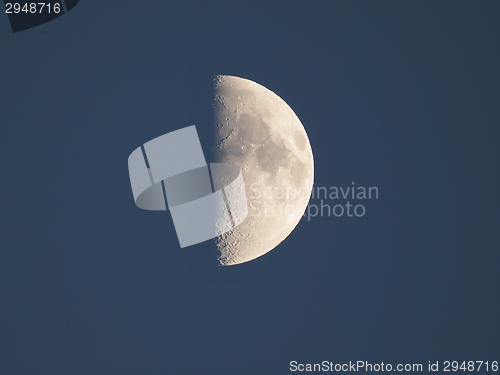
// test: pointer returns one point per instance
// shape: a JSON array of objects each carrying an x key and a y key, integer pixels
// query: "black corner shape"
[
  {"x": 27, "y": 14},
  {"x": 70, "y": 4}
]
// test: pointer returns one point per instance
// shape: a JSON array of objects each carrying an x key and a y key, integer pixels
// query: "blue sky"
[{"x": 399, "y": 95}]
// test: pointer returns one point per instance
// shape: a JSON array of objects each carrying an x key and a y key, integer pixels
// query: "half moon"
[{"x": 258, "y": 132}]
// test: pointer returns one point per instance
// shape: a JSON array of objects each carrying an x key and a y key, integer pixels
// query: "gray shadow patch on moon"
[{"x": 300, "y": 140}]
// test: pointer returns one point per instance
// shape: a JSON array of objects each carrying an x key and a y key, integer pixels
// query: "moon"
[{"x": 257, "y": 131}]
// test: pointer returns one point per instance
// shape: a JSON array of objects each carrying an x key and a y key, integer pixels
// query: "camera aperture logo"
[
  {"x": 204, "y": 202},
  {"x": 25, "y": 15}
]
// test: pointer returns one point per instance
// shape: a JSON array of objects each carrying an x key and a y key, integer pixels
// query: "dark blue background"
[{"x": 399, "y": 95}]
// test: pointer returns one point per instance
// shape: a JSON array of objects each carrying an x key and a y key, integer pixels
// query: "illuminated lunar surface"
[{"x": 258, "y": 132}]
